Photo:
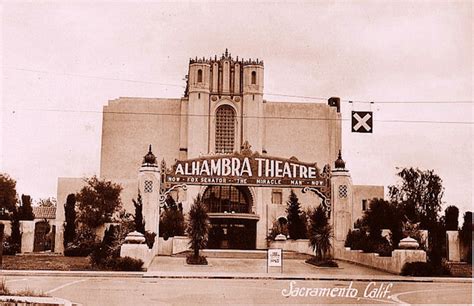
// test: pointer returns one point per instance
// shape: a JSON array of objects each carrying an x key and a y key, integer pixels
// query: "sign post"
[{"x": 275, "y": 259}]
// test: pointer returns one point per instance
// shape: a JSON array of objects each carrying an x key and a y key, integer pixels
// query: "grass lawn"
[{"x": 45, "y": 262}]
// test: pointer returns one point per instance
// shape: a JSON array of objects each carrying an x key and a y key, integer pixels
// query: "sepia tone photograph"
[{"x": 236, "y": 152}]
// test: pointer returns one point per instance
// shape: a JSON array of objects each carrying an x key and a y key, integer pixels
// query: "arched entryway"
[{"x": 233, "y": 223}]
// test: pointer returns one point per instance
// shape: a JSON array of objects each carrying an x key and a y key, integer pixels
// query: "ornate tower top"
[
  {"x": 224, "y": 76},
  {"x": 225, "y": 56},
  {"x": 149, "y": 158},
  {"x": 339, "y": 163}
]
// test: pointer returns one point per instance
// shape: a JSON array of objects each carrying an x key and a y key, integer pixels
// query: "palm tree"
[
  {"x": 320, "y": 233},
  {"x": 198, "y": 226}
]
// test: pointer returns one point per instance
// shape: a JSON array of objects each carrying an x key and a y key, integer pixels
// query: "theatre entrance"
[{"x": 233, "y": 224}]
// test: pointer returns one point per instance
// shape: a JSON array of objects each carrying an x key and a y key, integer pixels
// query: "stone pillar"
[
  {"x": 27, "y": 229},
  {"x": 59, "y": 237},
  {"x": 149, "y": 188},
  {"x": 453, "y": 246},
  {"x": 341, "y": 203}
]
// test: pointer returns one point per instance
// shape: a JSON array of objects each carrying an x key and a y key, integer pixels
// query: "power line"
[
  {"x": 249, "y": 117},
  {"x": 266, "y": 93},
  {"x": 97, "y": 77}
]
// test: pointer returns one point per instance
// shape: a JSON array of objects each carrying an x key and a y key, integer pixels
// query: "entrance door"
[
  {"x": 229, "y": 231},
  {"x": 232, "y": 234}
]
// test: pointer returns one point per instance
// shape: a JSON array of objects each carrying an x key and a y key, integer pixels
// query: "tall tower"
[
  {"x": 341, "y": 206},
  {"x": 149, "y": 188},
  {"x": 233, "y": 87}
]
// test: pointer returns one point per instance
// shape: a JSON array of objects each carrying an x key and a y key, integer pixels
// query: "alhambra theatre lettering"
[{"x": 254, "y": 170}]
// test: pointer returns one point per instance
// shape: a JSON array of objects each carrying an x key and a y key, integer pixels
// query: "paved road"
[{"x": 153, "y": 291}]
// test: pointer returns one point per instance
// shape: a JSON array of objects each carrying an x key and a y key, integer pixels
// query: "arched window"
[
  {"x": 254, "y": 77},
  {"x": 230, "y": 199},
  {"x": 225, "y": 129},
  {"x": 199, "y": 76}
]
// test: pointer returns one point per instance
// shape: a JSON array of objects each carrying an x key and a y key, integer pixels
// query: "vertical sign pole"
[{"x": 266, "y": 263}]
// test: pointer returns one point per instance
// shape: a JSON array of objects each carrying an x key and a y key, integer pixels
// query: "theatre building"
[{"x": 241, "y": 153}]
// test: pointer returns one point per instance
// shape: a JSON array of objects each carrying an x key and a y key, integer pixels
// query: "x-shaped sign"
[{"x": 362, "y": 122}]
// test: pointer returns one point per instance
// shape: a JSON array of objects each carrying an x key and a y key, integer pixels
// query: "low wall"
[
  {"x": 453, "y": 246},
  {"x": 180, "y": 244},
  {"x": 165, "y": 247},
  {"x": 299, "y": 245},
  {"x": 27, "y": 229},
  {"x": 138, "y": 251},
  {"x": 393, "y": 264}
]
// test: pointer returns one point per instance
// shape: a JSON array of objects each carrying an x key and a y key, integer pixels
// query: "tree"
[
  {"x": 419, "y": 194},
  {"x": 15, "y": 237},
  {"x": 451, "y": 215},
  {"x": 98, "y": 201},
  {"x": 198, "y": 226},
  {"x": 25, "y": 210},
  {"x": 466, "y": 234},
  {"x": 296, "y": 224},
  {"x": 70, "y": 218},
  {"x": 172, "y": 219},
  {"x": 383, "y": 215},
  {"x": 320, "y": 233},
  {"x": 8, "y": 197},
  {"x": 139, "y": 223}
]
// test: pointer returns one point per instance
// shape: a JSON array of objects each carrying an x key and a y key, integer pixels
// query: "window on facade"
[
  {"x": 199, "y": 76},
  {"x": 276, "y": 196},
  {"x": 225, "y": 129},
  {"x": 364, "y": 205},
  {"x": 227, "y": 199},
  {"x": 254, "y": 77}
]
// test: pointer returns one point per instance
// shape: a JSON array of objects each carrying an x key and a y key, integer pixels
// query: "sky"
[{"x": 60, "y": 62}]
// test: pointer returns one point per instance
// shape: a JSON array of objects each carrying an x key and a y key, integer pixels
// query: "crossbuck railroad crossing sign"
[{"x": 362, "y": 122}]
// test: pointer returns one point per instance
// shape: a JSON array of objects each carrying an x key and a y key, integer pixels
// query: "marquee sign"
[{"x": 246, "y": 168}]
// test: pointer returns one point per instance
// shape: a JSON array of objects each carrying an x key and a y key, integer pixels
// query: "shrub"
[
  {"x": 78, "y": 250},
  {"x": 10, "y": 247},
  {"x": 84, "y": 243},
  {"x": 196, "y": 260},
  {"x": 296, "y": 221},
  {"x": 138, "y": 218},
  {"x": 103, "y": 251},
  {"x": 322, "y": 263},
  {"x": 150, "y": 239},
  {"x": 359, "y": 240},
  {"x": 320, "y": 233},
  {"x": 124, "y": 264},
  {"x": 419, "y": 268},
  {"x": 383, "y": 248},
  {"x": 198, "y": 227},
  {"x": 278, "y": 227},
  {"x": 349, "y": 239},
  {"x": 70, "y": 219},
  {"x": 172, "y": 219}
]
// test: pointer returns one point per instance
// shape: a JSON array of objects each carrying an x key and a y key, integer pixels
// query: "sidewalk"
[
  {"x": 230, "y": 268},
  {"x": 293, "y": 269}
]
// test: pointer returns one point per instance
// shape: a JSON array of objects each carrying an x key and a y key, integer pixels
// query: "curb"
[
  {"x": 71, "y": 273},
  {"x": 354, "y": 278},
  {"x": 250, "y": 276}
]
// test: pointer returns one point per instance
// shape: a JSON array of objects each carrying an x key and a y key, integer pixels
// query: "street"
[{"x": 159, "y": 291}]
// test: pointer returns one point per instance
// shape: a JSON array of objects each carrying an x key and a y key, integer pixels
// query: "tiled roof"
[{"x": 44, "y": 212}]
